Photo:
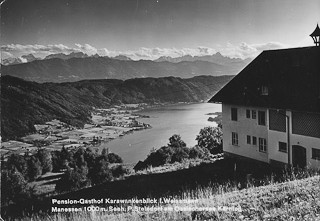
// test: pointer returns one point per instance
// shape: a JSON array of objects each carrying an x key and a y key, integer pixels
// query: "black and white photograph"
[{"x": 152, "y": 110}]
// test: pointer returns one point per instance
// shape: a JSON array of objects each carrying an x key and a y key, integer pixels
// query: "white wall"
[
  {"x": 274, "y": 138},
  {"x": 244, "y": 127},
  {"x": 307, "y": 142}
]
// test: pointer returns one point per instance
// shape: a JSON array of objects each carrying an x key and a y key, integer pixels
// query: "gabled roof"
[{"x": 292, "y": 77}]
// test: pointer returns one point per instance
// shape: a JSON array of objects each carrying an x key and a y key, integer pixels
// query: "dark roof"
[
  {"x": 291, "y": 75},
  {"x": 316, "y": 31}
]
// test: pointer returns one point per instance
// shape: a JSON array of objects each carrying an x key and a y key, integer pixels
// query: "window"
[
  {"x": 254, "y": 114},
  {"x": 254, "y": 140},
  {"x": 264, "y": 90},
  {"x": 235, "y": 140},
  {"x": 315, "y": 154},
  {"x": 248, "y": 139},
  {"x": 248, "y": 113},
  {"x": 234, "y": 114},
  {"x": 283, "y": 147},
  {"x": 262, "y": 118},
  {"x": 262, "y": 145}
]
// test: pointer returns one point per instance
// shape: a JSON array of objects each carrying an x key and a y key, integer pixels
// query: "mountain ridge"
[{"x": 75, "y": 69}]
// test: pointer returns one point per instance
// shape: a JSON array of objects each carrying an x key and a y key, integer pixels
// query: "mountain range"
[
  {"x": 217, "y": 58},
  {"x": 79, "y": 66},
  {"x": 25, "y": 103},
  {"x": 67, "y": 56}
]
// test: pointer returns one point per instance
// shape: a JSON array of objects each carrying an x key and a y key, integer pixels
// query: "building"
[{"x": 271, "y": 109}]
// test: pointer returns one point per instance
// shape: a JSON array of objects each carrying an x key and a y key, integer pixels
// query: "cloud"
[
  {"x": 86, "y": 48},
  {"x": 242, "y": 50},
  {"x": 154, "y": 53},
  {"x": 41, "y": 50},
  {"x": 5, "y": 55}
]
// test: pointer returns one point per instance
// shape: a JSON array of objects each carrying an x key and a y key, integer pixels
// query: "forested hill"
[{"x": 27, "y": 103}]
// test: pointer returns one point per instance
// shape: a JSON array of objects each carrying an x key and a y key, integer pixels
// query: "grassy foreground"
[{"x": 295, "y": 199}]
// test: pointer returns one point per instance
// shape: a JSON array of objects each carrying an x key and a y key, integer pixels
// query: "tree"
[
  {"x": 211, "y": 139},
  {"x": 45, "y": 159},
  {"x": 104, "y": 154},
  {"x": 176, "y": 142},
  {"x": 66, "y": 157},
  {"x": 34, "y": 168},
  {"x": 79, "y": 159},
  {"x": 100, "y": 172},
  {"x": 56, "y": 161},
  {"x": 13, "y": 187},
  {"x": 17, "y": 162},
  {"x": 90, "y": 157}
]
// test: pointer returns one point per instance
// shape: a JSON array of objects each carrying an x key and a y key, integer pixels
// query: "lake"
[{"x": 183, "y": 119}]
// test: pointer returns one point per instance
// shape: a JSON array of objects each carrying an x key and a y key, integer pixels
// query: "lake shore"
[{"x": 106, "y": 125}]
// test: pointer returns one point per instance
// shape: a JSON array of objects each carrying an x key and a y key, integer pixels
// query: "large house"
[{"x": 271, "y": 109}]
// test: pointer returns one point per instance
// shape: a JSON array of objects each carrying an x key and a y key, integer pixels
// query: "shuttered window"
[
  {"x": 277, "y": 120},
  {"x": 262, "y": 118},
  {"x": 307, "y": 124},
  {"x": 234, "y": 114}
]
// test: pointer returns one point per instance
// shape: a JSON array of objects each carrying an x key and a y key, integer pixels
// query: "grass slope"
[{"x": 291, "y": 200}]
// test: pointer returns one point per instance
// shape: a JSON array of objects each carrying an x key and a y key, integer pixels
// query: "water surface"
[{"x": 183, "y": 119}]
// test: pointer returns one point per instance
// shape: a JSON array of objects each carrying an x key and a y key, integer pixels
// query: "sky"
[{"x": 147, "y": 29}]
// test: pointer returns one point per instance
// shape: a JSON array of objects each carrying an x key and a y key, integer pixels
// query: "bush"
[
  {"x": 160, "y": 156},
  {"x": 114, "y": 158},
  {"x": 73, "y": 179},
  {"x": 118, "y": 171},
  {"x": 176, "y": 151},
  {"x": 198, "y": 152},
  {"x": 140, "y": 166},
  {"x": 155, "y": 159},
  {"x": 180, "y": 154}
]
